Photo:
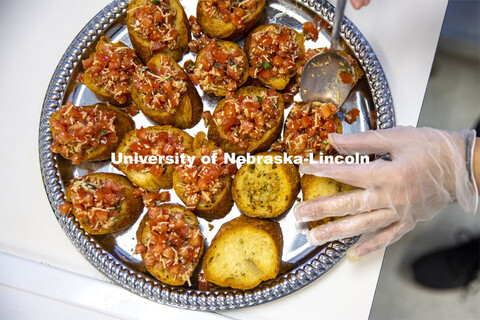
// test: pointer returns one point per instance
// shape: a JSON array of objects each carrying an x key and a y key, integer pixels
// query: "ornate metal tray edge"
[{"x": 154, "y": 290}]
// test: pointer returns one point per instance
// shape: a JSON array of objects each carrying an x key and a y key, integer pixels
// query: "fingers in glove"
[
  {"x": 372, "y": 141},
  {"x": 358, "y": 175},
  {"x": 341, "y": 204},
  {"x": 351, "y": 226},
  {"x": 377, "y": 240}
]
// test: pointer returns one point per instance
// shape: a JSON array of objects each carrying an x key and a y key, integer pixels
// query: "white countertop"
[{"x": 42, "y": 275}]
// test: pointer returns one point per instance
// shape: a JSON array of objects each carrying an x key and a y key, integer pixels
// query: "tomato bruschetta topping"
[
  {"x": 195, "y": 27},
  {"x": 81, "y": 130},
  {"x": 98, "y": 201},
  {"x": 111, "y": 68},
  {"x": 275, "y": 52},
  {"x": 307, "y": 128},
  {"x": 245, "y": 118},
  {"x": 155, "y": 22},
  {"x": 154, "y": 144},
  {"x": 173, "y": 243},
  {"x": 234, "y": 11},
  {"x": 221, "y": 67},
  {"x": 163, "y": 86},
  {"x": 347, "y": 69},
  {"x": 310, "y": 31},
  {"x": 203, "y": 181}
]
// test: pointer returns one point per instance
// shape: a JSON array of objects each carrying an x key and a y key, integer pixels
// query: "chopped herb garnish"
[
  {"x": 346, "y": 68},
  {"x": 191, "y": 64},
  {"x": 171, "y": 244},
  {"x": 217, "y": 65},
  {"x": 155, "y": 2},
  {"x": 89, "y": 185},
  {"x": 231, "y": 62},
  {"x": 103, "y": 132},
  {"x": 265, "y": 65},
  {"x": 169, "y": 79},
  {"x": 259, "y": 99},
  {"x": 235, "y": 130}
]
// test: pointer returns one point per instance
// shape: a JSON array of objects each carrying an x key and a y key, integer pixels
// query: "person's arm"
[
  {"x": 476, "y": 163},
  {"x": 428, "y": 169},
  {"x": 357, "y": 4}
]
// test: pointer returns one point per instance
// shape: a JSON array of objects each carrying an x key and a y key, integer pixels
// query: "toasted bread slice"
[
  {"x": 266, "y": 189},
  {"x": 205, "y": 59},
  {"x": 142, "y": 45},
  {"x": 217, "y": 135},
  {"x": 315, "y": 187},
  {"x": 189, "y": 110},
  {"x": 128, "y": 209},
  {"x": 146, "y": 179},
  {"x": 281, "y": 81},
  {"x": 180, "y": 268},
  {"x": 123, "y": 123},
  {"x": 307, "y": 127},
  {"x": 216, "y": 27},
  {"x": 221, "y": 202},
  {"x": 244, "y": 252},
  {"x": 100, "y": 90}
]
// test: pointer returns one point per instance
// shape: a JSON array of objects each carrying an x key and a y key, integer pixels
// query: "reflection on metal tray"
[{"x": 113, "y": 254}]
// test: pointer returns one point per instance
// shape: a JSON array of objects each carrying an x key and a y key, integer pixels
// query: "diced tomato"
[
  {"x": 65, "y": 208},
  {"x": 345, "y": 77},
  {"x": 310, "y": 30}
]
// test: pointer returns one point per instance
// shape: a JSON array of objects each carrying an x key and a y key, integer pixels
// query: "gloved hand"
[{"x": 428, "y": 169}]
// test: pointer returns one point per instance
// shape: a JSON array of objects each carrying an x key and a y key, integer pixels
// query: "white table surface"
[{"x": 42, "y": 275}]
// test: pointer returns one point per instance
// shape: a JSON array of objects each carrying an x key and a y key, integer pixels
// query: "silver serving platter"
[{"x": 113, "y": 254}]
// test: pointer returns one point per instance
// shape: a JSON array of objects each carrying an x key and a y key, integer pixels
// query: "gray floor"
[{"x": 452, "y": 102}]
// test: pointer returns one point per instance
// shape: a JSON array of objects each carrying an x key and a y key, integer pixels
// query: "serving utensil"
[{"x": 321, "y": 80}]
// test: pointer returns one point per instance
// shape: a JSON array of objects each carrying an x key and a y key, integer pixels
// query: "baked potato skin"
[
  {"x": 221, "y": 92},
  {"x": 142, "y": 47},
  {"x": 99, "y": 90},
  {"x": 143, "y": 234},
  {"x": 277, "y": 83},
  {"x": 147, "y": 180},
  {"x": 219, "y": 29},
  {"x": 220, "y": 138},
  {"x": 189, "y": 111},
  {"x": 289, "y": 183},
  {"x": 123, "y": 123},
  {"x": 131, "y": 207}
]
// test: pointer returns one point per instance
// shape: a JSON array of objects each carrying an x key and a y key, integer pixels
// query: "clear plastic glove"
[{"x": 428, "y": 169}]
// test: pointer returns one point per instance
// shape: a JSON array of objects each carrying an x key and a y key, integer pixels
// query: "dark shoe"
[{"x": 449, "y": 268}]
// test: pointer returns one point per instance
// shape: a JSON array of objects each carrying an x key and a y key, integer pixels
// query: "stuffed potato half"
[
  {"x": 104, "y": 202},
  {"x": 165, "y": 94},
  {"x": 158, "y": 26},
  {"x": 88, "y": 133},
  {"x": 229, "y": 19},
  {"x": 156, "y": 141},
  {"x": 248, "y": 120}
]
